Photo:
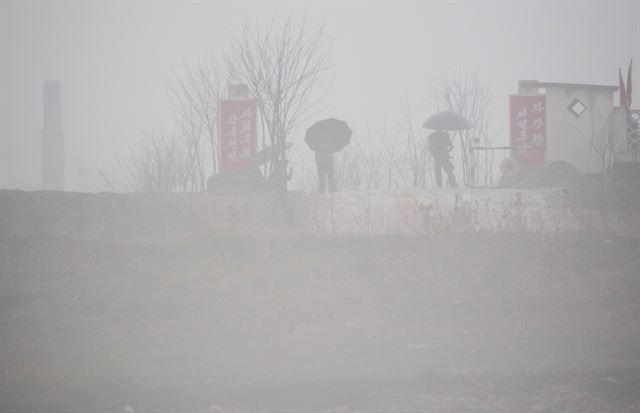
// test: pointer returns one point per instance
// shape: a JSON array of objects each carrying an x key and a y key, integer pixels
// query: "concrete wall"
[{"x": 143, "y": 216}]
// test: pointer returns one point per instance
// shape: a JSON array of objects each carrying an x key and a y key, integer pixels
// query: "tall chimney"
[{"x": 52, "y": 139}]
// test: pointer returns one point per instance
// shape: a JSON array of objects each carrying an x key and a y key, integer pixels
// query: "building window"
[{"x": 576, "y": 107}]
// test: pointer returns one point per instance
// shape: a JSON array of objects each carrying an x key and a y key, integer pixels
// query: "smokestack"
[{"x": 52, "y": 139}]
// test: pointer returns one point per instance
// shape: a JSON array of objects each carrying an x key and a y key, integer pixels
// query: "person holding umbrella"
[
  {"x": 325, "y": 138},
  {"x": 324, "y": 163},
  {"x": 440, "y": 144}
]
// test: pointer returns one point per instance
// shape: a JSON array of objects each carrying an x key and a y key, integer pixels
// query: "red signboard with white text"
[
  {"x": 237, "y": 133},
  {"x": 528, "y": 119}
]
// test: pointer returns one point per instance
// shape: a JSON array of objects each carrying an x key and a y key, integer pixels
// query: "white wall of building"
[{"x": 582, "y": 141}]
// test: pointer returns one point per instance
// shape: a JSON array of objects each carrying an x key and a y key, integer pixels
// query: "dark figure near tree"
[
  {"x": 325, "y": 138},
  {"x": 440, "y": 145},
  {"x": 324, "y": 162}
]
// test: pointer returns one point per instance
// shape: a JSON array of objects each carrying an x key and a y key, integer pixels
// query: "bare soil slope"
[{"x": 454, "y": 322}]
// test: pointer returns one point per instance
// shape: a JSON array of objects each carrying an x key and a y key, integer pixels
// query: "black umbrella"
[
  {"x": 447, "y": 120},
  {"x": 329, "y": 135}
]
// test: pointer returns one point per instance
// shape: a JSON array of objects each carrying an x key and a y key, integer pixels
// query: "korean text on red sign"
[
  {"x": 528, "y": 119},
  {"x": 237, "y": 127}
]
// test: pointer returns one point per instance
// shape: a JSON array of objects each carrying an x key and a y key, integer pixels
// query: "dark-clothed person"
[
  {"x": 324, "y": 162},
  {"x": 440, "y": 145}
]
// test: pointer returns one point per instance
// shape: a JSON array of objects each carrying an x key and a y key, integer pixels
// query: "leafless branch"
[
  {"x": 465, "y": 94},
  {"x": 281, "y": 67}
]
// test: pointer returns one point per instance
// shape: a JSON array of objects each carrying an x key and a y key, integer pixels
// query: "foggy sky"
[{"x": 115, "y": 62}]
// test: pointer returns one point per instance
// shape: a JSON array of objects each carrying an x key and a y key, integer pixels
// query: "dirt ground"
[{"x": 459, "y": 322}]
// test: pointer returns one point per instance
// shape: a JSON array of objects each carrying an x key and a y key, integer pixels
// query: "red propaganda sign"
[
  {"x": 237, "y": 127},
  {"x": 528, "y": 118}
]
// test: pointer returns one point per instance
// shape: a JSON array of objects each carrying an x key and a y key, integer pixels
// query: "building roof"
[{"x": 535, "y": 83}]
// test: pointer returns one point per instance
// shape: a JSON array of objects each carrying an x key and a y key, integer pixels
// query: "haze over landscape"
[
  {"x": 116, "y": 62},
  {"x": 338, "y": 207}
]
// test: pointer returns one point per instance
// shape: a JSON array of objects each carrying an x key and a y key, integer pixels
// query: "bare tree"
[
  {"x": 602, "y": 142},
  {"x": 195, "y": 96},
  {"x": 281, "y": 67},
  {"x": 416, "y": 151},
  {"x": 182, "y": 161},
  {"x": 385, "y": 159},
  {"x": 159, "y": 163},
  {"x": 390, "y": 160},
  {"x": 466, "y": 95},
  {"x": 358, "y": 167}
]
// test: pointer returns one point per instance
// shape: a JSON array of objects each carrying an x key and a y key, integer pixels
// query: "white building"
[{"x": 583, "y": 125}]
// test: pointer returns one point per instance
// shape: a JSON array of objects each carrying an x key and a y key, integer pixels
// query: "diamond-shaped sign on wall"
[{"x": 576, "y": 107}]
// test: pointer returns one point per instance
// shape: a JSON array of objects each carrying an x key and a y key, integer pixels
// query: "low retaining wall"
[
  {"x": 166, "y": 216},
  {"x": 140, "y": 216}
]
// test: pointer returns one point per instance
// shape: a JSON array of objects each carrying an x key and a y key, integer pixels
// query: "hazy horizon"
[{"x": 115, "y": 62}]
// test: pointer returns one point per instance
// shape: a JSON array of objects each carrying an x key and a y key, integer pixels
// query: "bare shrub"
[
  {"x": 195, "y": 96},
  {"x": 161, "y": 162}
]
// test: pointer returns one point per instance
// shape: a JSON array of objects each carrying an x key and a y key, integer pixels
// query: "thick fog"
[
  {"x": 319, "y": 207},
  {"x": 115, "y": 63}
]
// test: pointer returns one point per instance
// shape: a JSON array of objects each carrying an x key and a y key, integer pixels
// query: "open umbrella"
[
  {"x": 329, "y": 135},
  {"x": 447, "y": 120}
]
